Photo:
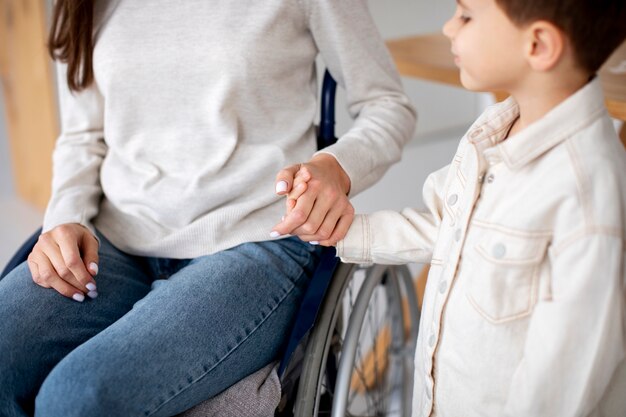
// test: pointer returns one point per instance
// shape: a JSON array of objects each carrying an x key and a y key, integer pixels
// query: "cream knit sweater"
[{"x": 196, "y": 107}]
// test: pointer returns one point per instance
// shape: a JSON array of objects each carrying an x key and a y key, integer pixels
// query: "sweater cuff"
[
  {"x": 355, "y": 247},
  {"x": 51, "y": 221}
]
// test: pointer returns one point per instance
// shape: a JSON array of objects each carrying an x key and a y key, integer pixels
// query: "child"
[{"x": 524, "y": 311}]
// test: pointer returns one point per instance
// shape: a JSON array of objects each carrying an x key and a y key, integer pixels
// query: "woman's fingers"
[
  {"x": 297, "y": 215},
  {"x": 66, "y": 259},
  {"x": 74, "y": 263},
  {"x": 330, "y": 226},
  {"x": 89, "y": 249},
  {"x": 34, "y": 272},
  {"x": 284, "y": 179},
  {"x": 47, "y": 277},
  {"x": 319, "y": 205}
]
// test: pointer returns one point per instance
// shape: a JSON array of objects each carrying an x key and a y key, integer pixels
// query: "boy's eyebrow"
[{"x": 460, "y": 3}]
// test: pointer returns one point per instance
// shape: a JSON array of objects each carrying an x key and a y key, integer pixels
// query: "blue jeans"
[{"x": 162, "y": 336}]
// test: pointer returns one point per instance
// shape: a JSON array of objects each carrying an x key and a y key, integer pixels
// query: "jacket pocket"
[{"x": 503, "y": 274}]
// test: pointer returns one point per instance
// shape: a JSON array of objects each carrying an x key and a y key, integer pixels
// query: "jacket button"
[
  {"x": 453, "y": 199},
  {"x": 499, "y": 250},
  {"x": 490, "y": 178}
]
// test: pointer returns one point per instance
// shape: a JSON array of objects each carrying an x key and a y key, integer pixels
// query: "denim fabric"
[{"x": 162, "y": 336}]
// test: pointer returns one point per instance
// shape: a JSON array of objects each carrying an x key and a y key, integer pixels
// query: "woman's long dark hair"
[{"x": 71, "y": 40}]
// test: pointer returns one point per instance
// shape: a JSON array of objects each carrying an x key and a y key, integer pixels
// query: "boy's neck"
[{"x": 542, "y": 93}]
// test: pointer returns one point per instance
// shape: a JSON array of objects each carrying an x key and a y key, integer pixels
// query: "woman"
[{"x": 156, "y": 284}]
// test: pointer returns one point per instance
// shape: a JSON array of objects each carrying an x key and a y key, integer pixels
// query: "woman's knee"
[{"x": 77, "y": 388}]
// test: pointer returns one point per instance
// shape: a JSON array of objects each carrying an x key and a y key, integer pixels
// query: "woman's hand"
[
  {"x": 318, "y": 209},
  {"x": 66, "y": 259}
]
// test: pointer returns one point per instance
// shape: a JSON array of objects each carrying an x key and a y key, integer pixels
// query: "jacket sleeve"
[
  {"x": 584, "y": 322},
  {"x": 77, "y": 157},
  {"x": 357, "y": 57},
  {"x": 389, "y": 237}
]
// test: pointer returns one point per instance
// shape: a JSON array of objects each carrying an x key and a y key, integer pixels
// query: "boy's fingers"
[
  {"x": 326, "y": 228},
  {"x": 297, "y": 191},
  {"x": 296, "y": 217},
  {"x": 340, "y": 230},
  {"x": 303, "y": 174}
]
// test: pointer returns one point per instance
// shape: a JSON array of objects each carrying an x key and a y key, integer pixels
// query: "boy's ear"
[{"x": 545, "y": 45}]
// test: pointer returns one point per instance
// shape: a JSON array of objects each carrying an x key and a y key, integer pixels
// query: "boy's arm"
[
  {"x": 389, "y": 237},
  {"x": 576, "y": 339}
]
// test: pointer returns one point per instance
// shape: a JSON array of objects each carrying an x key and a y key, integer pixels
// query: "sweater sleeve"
[
  {"x": 77, "y": 157},
  {"x": 356, "y": 56}
]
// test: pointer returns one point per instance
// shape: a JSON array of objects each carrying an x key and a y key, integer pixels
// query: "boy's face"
[{"x": 487, "y": 46}]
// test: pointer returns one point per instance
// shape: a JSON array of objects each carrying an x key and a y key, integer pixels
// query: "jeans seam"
[{"x": 227, "y": 354}]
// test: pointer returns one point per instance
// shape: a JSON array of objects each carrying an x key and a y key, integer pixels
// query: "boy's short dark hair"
[{"x": 594, "y": 27}]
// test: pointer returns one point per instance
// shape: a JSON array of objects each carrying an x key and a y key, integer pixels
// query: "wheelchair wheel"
[{"x": 359, "y": 359}]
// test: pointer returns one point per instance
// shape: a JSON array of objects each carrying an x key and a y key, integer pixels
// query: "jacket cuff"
[{"x": 355, "y": 247}]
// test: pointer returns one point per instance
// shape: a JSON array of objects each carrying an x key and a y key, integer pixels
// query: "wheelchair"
[{"x": 351, "y": 349}]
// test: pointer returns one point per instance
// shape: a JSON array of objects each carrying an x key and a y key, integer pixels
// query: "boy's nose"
[{"x": 448, "y": 28}]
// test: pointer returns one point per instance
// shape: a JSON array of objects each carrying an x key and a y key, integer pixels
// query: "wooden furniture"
[
  {"x": 428, "y": 57},
  {"x": 29, "y": 97},
  {"x": 613, "y": 77}
]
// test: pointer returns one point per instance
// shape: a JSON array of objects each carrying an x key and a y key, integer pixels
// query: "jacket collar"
[{"x": 570, "y": 116}]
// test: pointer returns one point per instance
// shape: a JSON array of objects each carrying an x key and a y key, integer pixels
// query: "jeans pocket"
[{"x": 503, "y": 275}]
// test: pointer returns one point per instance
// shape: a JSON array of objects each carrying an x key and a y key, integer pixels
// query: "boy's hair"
[{"x": 594, "y": 27}]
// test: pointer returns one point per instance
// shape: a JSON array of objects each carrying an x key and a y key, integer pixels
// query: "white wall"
[{"x": 444, "y": 112}]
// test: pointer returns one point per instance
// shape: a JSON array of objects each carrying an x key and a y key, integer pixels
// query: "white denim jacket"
[{"x": 524, "y": 311}]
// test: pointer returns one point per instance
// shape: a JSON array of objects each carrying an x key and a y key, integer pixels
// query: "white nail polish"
[
  {"x": 314, "y": 242},
  {"x": 274, "y": 234},
  {"x": 93, "y": 294},
  {"x": 281, "y": 186},
  {"x": 78, "y": 297},
  {"x": 94, "y": 268},
  {"x": 91, "y": 286}
]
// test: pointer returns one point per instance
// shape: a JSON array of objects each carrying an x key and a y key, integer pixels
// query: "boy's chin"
[{"x": 476, "y": 87}]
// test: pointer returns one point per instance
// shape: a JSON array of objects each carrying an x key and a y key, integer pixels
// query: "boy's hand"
[
  {"x": 318, "y": 209},
  {"x": 66, "y": 259}
]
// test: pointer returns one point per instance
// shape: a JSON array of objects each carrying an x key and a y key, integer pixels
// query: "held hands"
[
  {"x": 317, "y": 205},
  {"x": 66, "y": 259}
]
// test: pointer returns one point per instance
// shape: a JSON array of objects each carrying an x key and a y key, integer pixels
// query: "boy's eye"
[{"x": 464, "y": 18}]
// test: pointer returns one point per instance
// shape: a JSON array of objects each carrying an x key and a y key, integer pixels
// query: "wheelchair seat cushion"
[{"x": 256, "y": 395}]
